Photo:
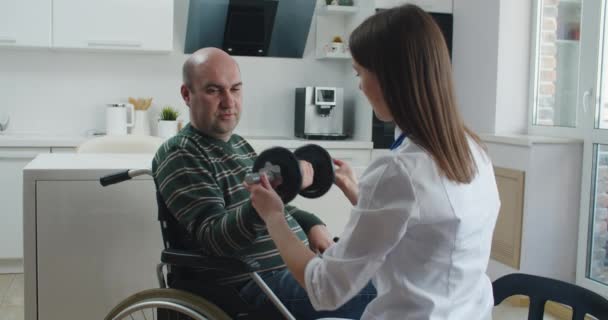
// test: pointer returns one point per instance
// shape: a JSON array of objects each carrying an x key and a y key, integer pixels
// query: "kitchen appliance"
[
  {"x": 249, "y": 27},
  {"x": 320, "y": 113},
  {"x": 117, "y": 118}
]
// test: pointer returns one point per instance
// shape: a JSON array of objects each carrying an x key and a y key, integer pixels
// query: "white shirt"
[{"x": 423, "y": 240}]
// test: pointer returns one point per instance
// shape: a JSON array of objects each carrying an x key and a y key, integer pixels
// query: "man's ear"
[{"x": 185, "y": 94}]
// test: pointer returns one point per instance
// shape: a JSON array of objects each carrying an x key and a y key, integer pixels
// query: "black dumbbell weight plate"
[
  {"x": 323, "y": 166},
  {"x": 290, "y": 171}
]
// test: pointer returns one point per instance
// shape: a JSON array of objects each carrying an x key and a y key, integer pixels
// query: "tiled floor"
[
  {"x": 11, "y": 296},
  {"x": 11, "y": 302}
]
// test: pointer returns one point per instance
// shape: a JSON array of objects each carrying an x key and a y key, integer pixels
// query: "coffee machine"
[{"x": 320, "y": 113}]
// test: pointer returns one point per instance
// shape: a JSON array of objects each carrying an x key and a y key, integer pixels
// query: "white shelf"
[
  {"x": 578, "y": 2},
  {"x": 337, "y": 10},
  {"x": 331, "y": 55},
  {"x": 567, "y": 42}
]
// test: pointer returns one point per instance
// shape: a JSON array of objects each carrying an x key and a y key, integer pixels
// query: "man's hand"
[
  {"x": 319, "y": 238},
  {"x": 308, "y": 173}
]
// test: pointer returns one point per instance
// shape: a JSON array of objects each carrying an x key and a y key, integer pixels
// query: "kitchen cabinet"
[
  {"x": 25, "y": 23},
  {"x": 63, "y": 149},
  {"x": 437, "y": 6},
  {"x": 113, "y": 24},
  {"x": 333, "y": 207},
  {"x": 12, "y": 162}
]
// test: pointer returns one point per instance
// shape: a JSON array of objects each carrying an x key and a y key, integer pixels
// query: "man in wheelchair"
[{"x": 199, "y": 176}]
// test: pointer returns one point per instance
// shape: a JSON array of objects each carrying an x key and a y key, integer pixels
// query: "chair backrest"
[
  {"x": 121, "y": 144},
  {"x": 174, "y": 234},
  {"x": 540, "y": 290}
]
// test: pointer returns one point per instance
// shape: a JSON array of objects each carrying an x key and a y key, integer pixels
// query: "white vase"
[
  {"x": 337, "y": 47},
  {"x": 142, "y": 124},
  {"x": 167, "y": 128}
]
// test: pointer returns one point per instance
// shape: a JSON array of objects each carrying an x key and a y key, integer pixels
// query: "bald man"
[{"x": 199, "y": 174}]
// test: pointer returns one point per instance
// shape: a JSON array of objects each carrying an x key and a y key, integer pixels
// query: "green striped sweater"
[{"x": 200, "y": 179}]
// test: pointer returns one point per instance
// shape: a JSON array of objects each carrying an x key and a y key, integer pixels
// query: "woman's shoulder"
[{"x": 386, "y": 179}]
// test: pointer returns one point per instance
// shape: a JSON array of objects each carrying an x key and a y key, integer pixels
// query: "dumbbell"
[{"x": 281, "y": 165}]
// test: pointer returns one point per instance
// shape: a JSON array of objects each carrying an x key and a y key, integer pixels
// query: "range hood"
[{"x": 275, "y": 28}]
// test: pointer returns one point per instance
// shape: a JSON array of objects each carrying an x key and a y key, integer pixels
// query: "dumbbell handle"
[
  {"x": 273, "y": 172},
  {"x": 255, "y": 177}
]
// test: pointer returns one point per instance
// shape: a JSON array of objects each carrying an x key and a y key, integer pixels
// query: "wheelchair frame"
[{"x": 184, "y": 258}]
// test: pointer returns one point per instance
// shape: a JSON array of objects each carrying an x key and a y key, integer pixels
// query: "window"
[{"x": 570, "y": 99}]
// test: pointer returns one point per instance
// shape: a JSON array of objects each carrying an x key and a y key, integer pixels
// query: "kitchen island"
[{"x": 86, "y": 247}]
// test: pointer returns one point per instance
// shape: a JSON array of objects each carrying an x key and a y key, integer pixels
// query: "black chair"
[
  {"x": 540, "y": 290},
  {"x": 189, "y": 270}
]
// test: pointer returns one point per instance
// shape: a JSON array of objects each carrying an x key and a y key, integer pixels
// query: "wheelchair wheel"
[{"x": 166, "y": 304}]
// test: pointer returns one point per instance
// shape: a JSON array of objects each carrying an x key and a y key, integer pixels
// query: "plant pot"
[
  {"x": 167, "y": 128},
  {"x": 337, "y": 47}
]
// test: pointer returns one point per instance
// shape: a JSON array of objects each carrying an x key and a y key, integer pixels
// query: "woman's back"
[
  {"x": 437, "y": 268},
  {"x": 422, "y": 239}
]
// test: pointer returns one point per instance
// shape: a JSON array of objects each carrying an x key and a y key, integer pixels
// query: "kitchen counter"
[
  {"x": 23, "y": 139},
  {"x": 19, "y": 139}
]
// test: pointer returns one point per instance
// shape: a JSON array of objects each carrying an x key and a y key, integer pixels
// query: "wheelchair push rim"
[{"x": 184, "y": 303}]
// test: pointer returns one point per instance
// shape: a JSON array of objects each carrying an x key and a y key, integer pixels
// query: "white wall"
[
  {"x": 513, "y": 75},
  {"x": 65, "y": 92},
  {"x": 475, "y": 59},
  {"x": 491, "y": 63}
]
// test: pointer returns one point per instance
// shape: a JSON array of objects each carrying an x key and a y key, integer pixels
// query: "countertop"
[{"x": 29, "y": 139}]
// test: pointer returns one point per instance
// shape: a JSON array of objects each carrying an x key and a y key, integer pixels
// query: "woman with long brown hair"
[{"x": 423, "y": 216}]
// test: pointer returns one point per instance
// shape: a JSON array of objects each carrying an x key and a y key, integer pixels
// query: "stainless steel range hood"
[{"x": 274, "y": 28}]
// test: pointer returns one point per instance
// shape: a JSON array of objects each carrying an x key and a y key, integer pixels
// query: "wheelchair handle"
[{"x": 121, "y": 176}]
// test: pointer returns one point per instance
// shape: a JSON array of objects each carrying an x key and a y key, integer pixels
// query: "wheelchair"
[{"x": 174, "y": 299}]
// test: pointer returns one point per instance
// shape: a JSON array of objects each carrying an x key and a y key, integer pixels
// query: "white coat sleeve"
[{"x": 386, "y": 203}]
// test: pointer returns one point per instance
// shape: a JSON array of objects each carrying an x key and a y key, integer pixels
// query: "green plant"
[
  {"x": 328, "y": 2},
  {"x": 168, "y": 113},
  {"x": 346, "y": 2}
]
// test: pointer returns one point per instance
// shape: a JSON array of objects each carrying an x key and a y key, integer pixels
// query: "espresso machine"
[{"x": 320, "y": 113}]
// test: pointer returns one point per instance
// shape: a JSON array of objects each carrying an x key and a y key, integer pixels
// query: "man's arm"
[
  {"x": 305, "y": 219},
  {"x": 186, "y": 183},
  {"x": 318, "y": 236}
]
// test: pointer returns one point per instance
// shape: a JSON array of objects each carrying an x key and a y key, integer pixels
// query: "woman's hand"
[
  {"x": 265, "y": 200},
  {"x": 308, "y": 173},
  {"x": 346, "y": 181}
]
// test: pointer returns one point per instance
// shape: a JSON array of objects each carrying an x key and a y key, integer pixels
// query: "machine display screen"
[{"x": 325, "y": 96}]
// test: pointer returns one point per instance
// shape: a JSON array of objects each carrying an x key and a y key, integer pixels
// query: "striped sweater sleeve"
[
  {"x": 305, "y": 219},
  {"x": 186, "y": 183}
]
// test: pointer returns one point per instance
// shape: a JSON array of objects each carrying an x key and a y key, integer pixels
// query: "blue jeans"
[{"x": 295, "y": 298}]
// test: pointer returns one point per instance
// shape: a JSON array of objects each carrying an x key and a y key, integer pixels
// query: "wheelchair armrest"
[{"x": 184, "y": 258}]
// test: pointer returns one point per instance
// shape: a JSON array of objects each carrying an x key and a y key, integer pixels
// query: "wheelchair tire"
[{"x": 177, "y": 301}]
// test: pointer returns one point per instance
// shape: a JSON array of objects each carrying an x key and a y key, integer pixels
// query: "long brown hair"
[{"x": 405, "y": 49}]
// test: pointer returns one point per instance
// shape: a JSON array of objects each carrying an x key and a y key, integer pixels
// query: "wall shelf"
[
  {"x": 332, "y": 55},
  {"x": 333, "y": 21},
  {"x": 337, "y": 10}
]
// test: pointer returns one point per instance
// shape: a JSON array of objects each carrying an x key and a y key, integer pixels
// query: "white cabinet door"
[
  {"x": 113, "y": 24},
  {"x": 12, "y": 162},
  {"x": 63, "y": 149},
  {"x": 439, "y": 6},
  {"x": 95, "y": 246},
  {"x": 333, "y": 207},
  {"x": 25, "y": 23}
]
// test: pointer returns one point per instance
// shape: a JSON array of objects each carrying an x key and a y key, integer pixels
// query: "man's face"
[{"x": 214, "y": 98}]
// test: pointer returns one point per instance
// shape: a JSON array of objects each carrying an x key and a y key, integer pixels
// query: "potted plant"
[
  {"x": 167, "y": 123},
  {"x": 349, "y": 3},
  {"x": 337, "y": 46}
]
